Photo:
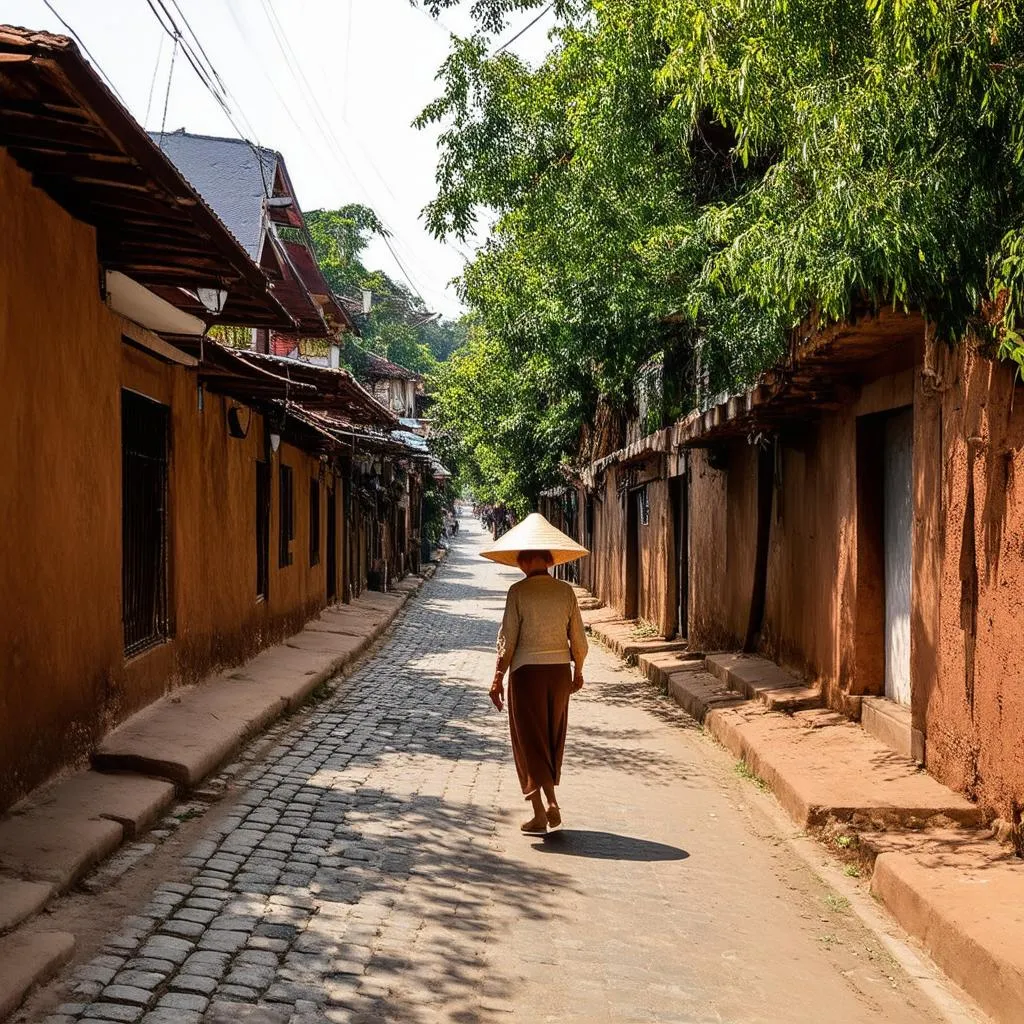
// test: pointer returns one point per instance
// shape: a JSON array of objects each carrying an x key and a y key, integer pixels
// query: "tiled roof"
[{"x": 227, "y": 173}]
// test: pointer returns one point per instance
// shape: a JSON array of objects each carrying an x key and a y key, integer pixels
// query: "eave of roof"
[
  {"x": 63, "y": 125},
  {"x": 819, "y": 375},
  {"x": 337, "y": 390}
]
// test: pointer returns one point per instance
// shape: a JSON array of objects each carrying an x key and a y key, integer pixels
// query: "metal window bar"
[
  {"x": 286, "y": 525},
  {"x": 262, "y": 529},
  {"x": 145, "y": 428},
  {"x": 314, "y": 521},
  {"x": 644, "y": 503}
]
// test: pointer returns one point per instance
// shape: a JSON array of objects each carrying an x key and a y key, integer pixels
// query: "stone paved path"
[{"x": 370, "y": 869}]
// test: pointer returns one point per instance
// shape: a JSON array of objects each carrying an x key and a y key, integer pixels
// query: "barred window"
[
  {"x": 286, "y": 522},
  {"x": 145, "y": 428},
  {"x": 314, "y": 521}
]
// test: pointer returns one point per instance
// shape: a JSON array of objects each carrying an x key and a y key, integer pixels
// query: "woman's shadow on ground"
[{"x": 607, "y": 846}]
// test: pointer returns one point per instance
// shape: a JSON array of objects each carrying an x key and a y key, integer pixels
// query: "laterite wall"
[{"x": 63, "y": 678}]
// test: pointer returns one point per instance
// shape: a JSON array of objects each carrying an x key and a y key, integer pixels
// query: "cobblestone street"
[{"x": 370, "y": 868}]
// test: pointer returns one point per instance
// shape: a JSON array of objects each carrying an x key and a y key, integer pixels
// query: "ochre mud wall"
[
  {"x": 63, "y": 677},
  {"x": 810, "y": 622},
  {"x": 723, "y": 519},
  {"x": 971, "y": 667}
]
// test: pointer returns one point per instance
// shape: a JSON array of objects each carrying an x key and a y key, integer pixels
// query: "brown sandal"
[{"x": 536, "y": 826}]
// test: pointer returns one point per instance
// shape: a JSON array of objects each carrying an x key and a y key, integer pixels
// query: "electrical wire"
[
  {"x": 85, "y": 49},
  {"x": 320, "y": 118},
  {"x": 167, "y": 95},
  {"x": 211, "y": 79},
  {"x": 526, "y": 28},
  {"x": 156, "y": 71}
]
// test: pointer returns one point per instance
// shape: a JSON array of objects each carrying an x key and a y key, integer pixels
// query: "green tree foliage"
[
  {"x": 522, "y": 421},
  {"x": 697, "y": 176},
  {"x": 399, "y": 326}
]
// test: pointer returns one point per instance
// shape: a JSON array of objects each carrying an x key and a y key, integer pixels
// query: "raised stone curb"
[
  {"x": 822, "y": 768},
  {"x": 966, "y": 904},
  {"x": 763, "y": 680},
  {"x": 27, "y": 960}
]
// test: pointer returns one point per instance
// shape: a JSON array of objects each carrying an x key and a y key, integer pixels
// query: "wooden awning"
[
  {"x": 820, "y": 374},
  {"x": 337, "y": 391},
  {"x": 64, "y": 126}
]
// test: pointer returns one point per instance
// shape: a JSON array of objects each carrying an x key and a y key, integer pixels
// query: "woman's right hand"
[
  {"x": 497, "y": 693},
  {"x": 577, "y": 680}
]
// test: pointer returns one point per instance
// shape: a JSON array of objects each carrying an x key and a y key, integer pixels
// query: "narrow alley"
[{"x": 369, "y": 868}]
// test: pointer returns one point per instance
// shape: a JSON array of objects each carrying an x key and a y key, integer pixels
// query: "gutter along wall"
[{"x": 64, "y": 679}]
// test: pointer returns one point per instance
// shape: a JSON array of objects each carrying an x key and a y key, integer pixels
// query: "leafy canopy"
[{"x": 697, "y": 176}]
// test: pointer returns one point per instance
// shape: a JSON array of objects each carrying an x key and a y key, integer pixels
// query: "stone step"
[
  {"x": 20, "y": 900},
  {"x": 890, "y": 723},
  {"x": 27, "y": 960},
  {"x": 699, "y": 693},
  {"x": 64, "y": 830},
  {"x": 191, "y": 732},
  {"x": 657, "y": 666},
  {"x": 763, "y": 680},
  {"x": 963, "y": 897},
  {"x": 825, "y": 768}
]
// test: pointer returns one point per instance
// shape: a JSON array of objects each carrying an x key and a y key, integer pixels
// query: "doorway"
[
  {"x": 680, "y": 487},
  {"x": 897, "y": 536}
]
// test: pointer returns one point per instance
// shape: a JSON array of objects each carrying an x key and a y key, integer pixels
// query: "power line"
[
  {"x": 526, "y": 28},
  {"x": 156, "y": 71},
  {"x": 208, "y": 75},
  {"x": 85, "y": 49}
]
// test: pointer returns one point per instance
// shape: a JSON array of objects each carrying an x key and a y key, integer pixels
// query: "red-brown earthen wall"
[
  {"x": 64, "y": 680},
  {"x": 972, "y": 703}
]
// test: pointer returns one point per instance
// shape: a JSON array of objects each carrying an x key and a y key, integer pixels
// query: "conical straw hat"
[{"x": 534, "y": 533}]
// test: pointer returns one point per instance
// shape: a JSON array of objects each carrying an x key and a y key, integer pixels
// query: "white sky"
[{"x": 369, "y": 63}]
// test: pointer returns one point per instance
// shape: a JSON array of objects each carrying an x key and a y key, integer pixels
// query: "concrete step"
[
  {"x": 763, "y": 680},
  {"x": 963, "y": 897},
  {"x": 29, "y": 960},
  {"x": 890, "y": 723},
  {"x": 699, "y": 693},
  {"x": 659, "y": 665},
  {"x": 823, "y": 767},
  {"x": 20, "y": 900}
]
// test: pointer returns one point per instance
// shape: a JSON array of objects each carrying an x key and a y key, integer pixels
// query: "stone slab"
[
  {"x": 823, "y": 767},
  {"x": 964, "y": 899},
  {"x": 697, "y": 693},
  {"x": 29, "y": 960},
  {"x": 657, "y": 666},
  {"x": 134, "y": 801},
  {"x": 890, "y": 723},
  {"x": 19, "y": 900},
  {"x": 763, "y": 680},
  {"x": 48, "y": 844}
]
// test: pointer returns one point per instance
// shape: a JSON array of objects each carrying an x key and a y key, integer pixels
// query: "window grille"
[
  {"x": 262, "y": 529},
  {"x": 144, "y": 458},
  {"x": 644, "y": 505},
  {"x": 286, "y": 519},
  {"x": 314, "y": 521}
]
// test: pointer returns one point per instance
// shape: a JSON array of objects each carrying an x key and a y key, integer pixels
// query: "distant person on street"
[{"x": 543, "y": 642}]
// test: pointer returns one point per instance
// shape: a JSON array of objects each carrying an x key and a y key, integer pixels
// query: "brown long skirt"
[{"x": 538, "y": 715}]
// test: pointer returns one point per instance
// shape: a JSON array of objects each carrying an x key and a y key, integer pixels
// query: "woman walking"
[{"x": 541, "y": 637}]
